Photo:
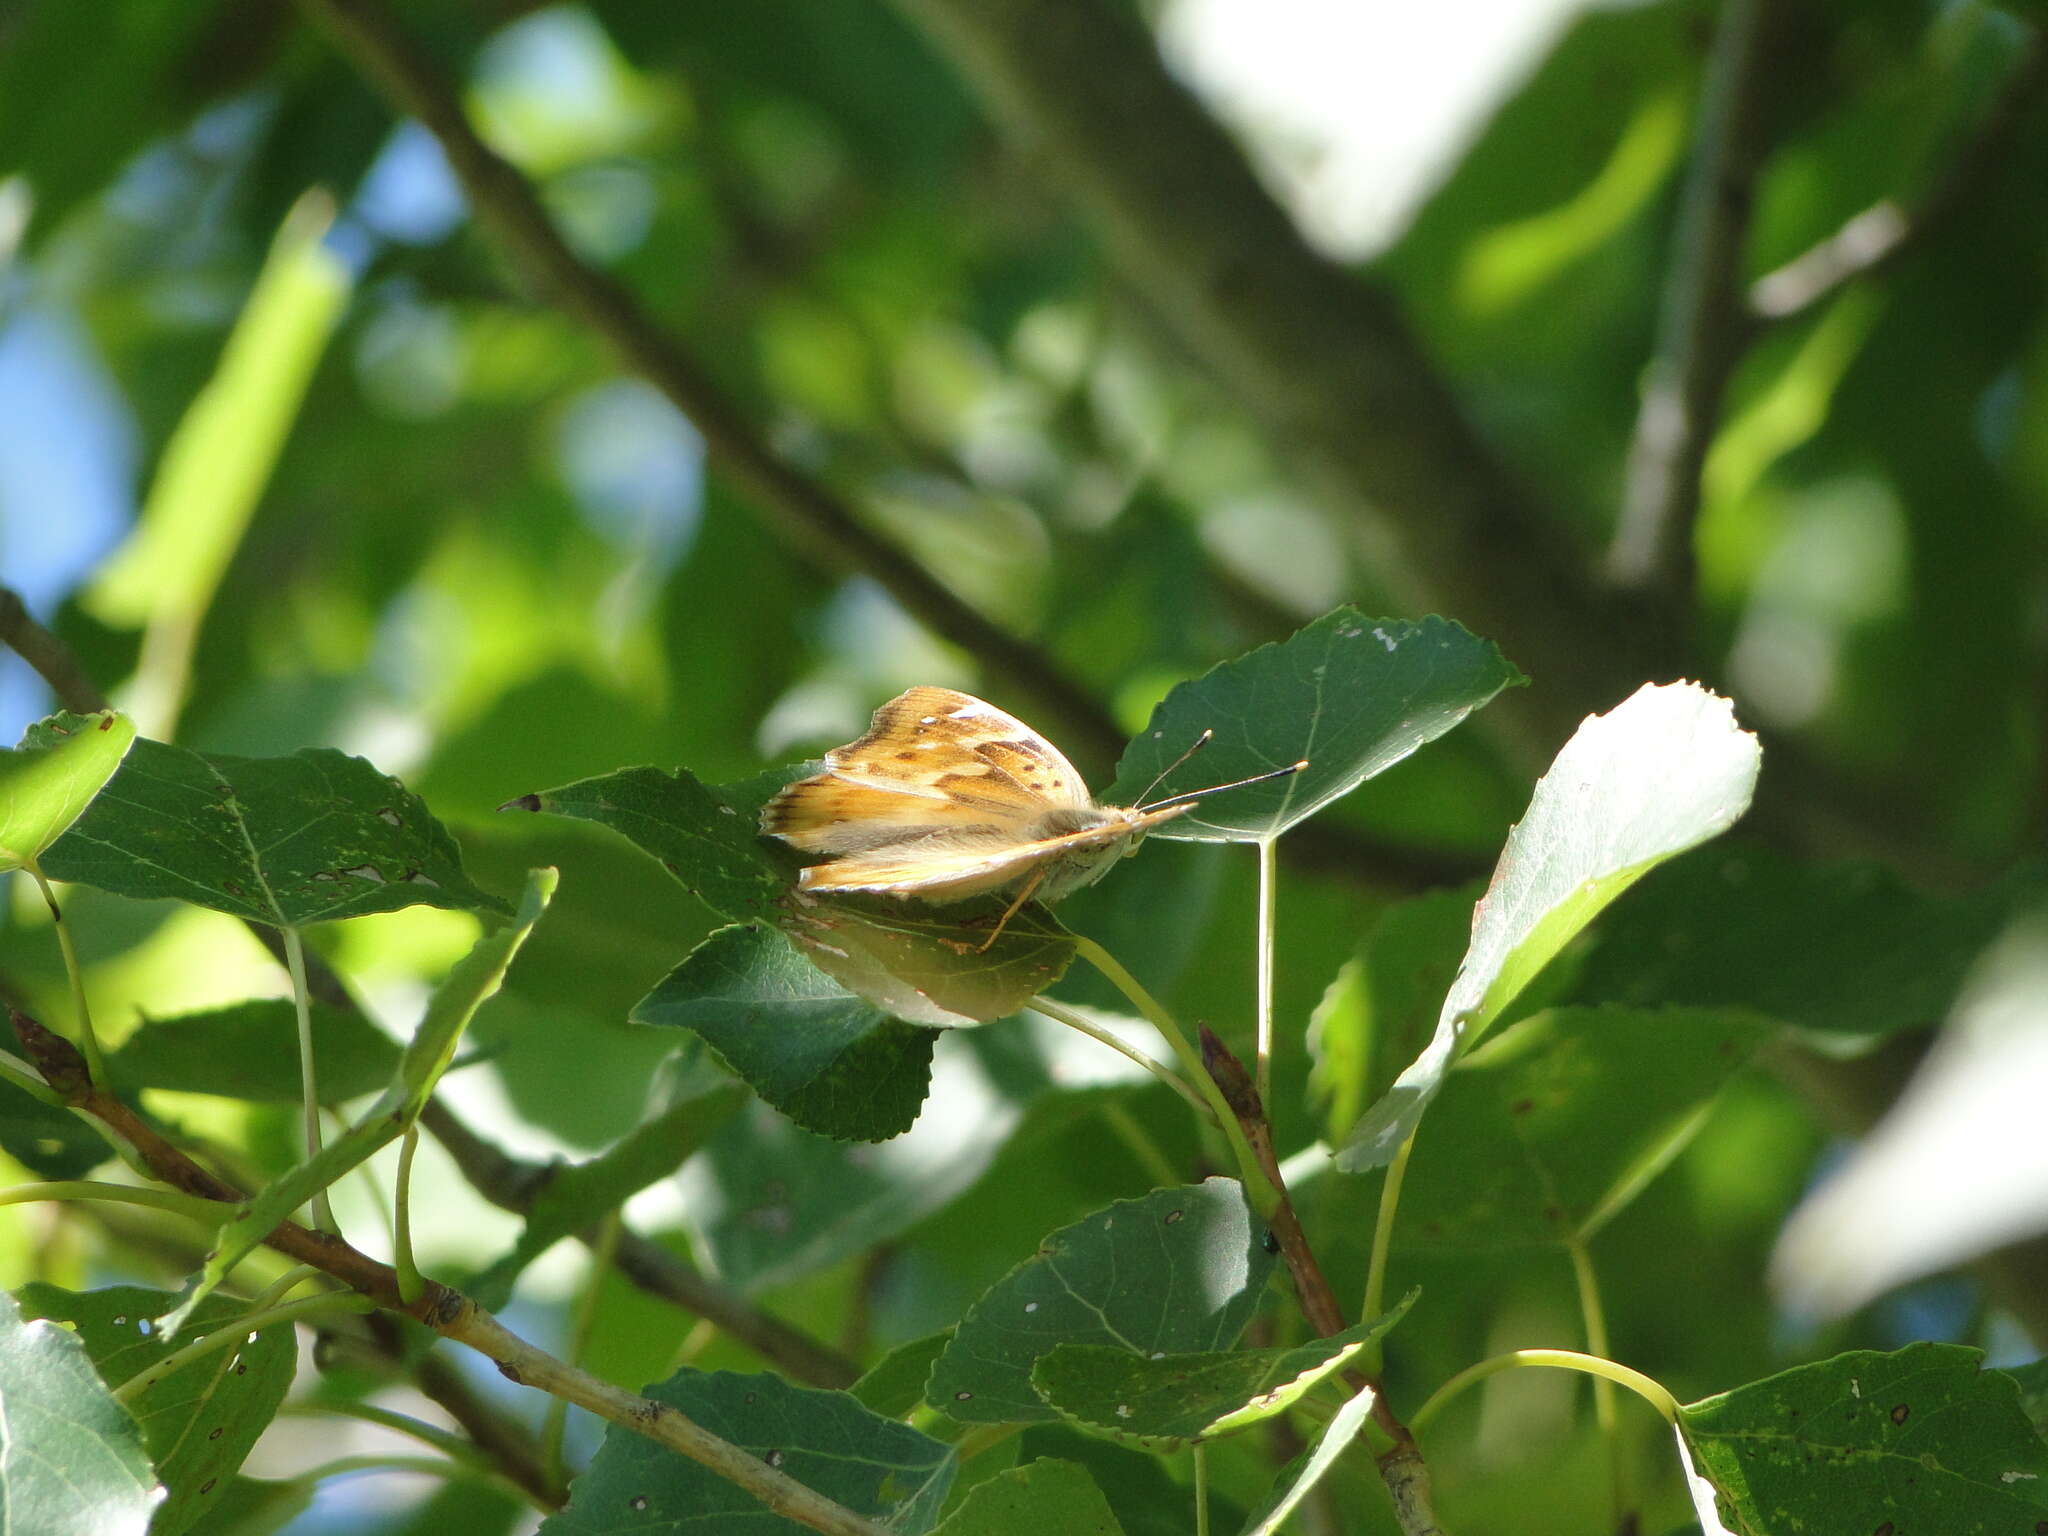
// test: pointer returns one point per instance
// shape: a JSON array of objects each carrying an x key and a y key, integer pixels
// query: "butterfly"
[{"x": 947, "y": 797}]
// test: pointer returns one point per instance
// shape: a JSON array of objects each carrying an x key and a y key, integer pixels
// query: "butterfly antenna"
[
  {"x": 1217, "y": 789},
  {"x": 1159, "y": 778}
]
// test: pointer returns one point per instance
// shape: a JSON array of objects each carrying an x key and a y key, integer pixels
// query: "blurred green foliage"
[{"x": 492, "y": 560}]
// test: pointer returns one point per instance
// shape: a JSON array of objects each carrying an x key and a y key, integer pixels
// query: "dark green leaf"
[
  {"x": 254, "y": 1506},
  {"x": 1040, "y": 1496},
  {"x": 47, "y": 782},
  {"x": 894, "y": 1385},
  {"x": 700, "y": 837},
  {"x": 473, "y": 979},
  {"x": 1178, "y": 1271},
  {"x": 1923, "y": 1439},
  {"x": 1847, "y": 949},
  {"x": 287, "y": 841},
  {"x": 1661, "y": 772},
  {"x": 2033, "y": 1386},
  {"x": 1351, "y": 695},
  {"x": 574, "y": 1198},
  {"x": 51, "y": 1143},
  {"x": 825, "y": 1440},
  {"x": 251, "y": 1051},
  {"x": 832, "y": 1062},
  {"x": 1545, "y": 1133},
  {"x": 71, "y": 1460},
  {"x": 197, "y": 1423},
  {"x": 1163, "y": 1402},
  {"x": 926, "y": 965},
  {"x": 1145, "y": 1500}
]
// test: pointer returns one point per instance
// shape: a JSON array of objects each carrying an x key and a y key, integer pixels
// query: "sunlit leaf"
[
  {"x": 1177, "y": 1271},
  {"x": 288, "y": 841},
  {"x": 831, "y": 1061},
  {"x": 47, "y": 782},
  {"x": 198, "y": 1423},
  {"x": 1661, "y": 772},
  {"x": 825, "y": 1440},
  {"x": 71, "y": 1461},
  {"x": 1351, "y": 695},
  {"x": 1301, "y": 1475},
  {"x": 1920, "y": 1439}
]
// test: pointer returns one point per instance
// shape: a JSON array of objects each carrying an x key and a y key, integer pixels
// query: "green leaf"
[
  {"x": 50, "y": 1142},
  {"x": 71, "y": 1459},
  {"x": 217, "y": 463},
  {"x": 825, "y": 1440},
  {"x": 713, "y": 847},
  {"x": 1351, "y": 695},
  {"x": 574, "y": 1198},
  {"x": 1846, "y": 949},
  {"x": 1037, "y": 1497},
  {"x": 1145, "y": 1501},
  {"x": 1175, "y": 1272},
  {"x": 1164, "y": 1402},
  {"x": 47, "y": 782},
  {"x": 1544, "y": 1134},
  {"x": 1923, "y": 1439},
  {"x": 1381, "y": 1007},
  {"x": 251, "y": 1051},
  {"x": 287, "y": 841},
  {"x": 926, "y": 965},
  {"x": 2032, "y": 1381},
  {"x": 832, "y": 1062},
  {"x": 198, "y": 1423},
  {"x": 894, "y": 1385},
  {"x": 1304, "y": 1472},
  {"x": 473, "y": 979},
  {"x": 1661, "y": 772}
]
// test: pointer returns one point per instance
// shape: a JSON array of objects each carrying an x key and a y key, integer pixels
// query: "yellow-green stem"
[
  {"x": 28, "y": 1080},
  {"x": 1382, "y": 1245},
  {"x": 1258, "y": 1188},
  {"x": 234, "y": 1331},
  {"x": 309, "y": 1087},
  {"x": 410, "y": 1286},
  {"x": 430, "y": 1466},
  {"x": 88, "y": 1041},
  {"x": 1647, "y": 1388},
  {"x": 555, "y": 1426},
  {"x": 1595, "y": 1316},
  {"x": 210, "y": 1212},
  {"x": 1201, "y": 1489},
  {"x": 1269, "y": 880},
  {"x": 1074, "y": 1020}
]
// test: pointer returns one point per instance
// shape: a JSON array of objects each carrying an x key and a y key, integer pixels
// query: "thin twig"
[
  {"x": 50, "y": 657},
  {"x": 1701, "y": 334},
  {"x": 445, "y": 1310},
  {"x": 1876, "y": 239}
]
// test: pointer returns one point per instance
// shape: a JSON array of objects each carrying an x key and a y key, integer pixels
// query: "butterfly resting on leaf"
[{"x": 947, "y": 797}]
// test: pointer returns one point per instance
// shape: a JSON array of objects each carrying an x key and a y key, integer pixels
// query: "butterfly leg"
[{"x": 1011, "y": 910}]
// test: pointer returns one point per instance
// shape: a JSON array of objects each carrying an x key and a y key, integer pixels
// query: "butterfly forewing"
[{"x": 936, "y": 768}]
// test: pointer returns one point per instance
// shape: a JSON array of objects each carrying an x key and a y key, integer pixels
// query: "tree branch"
[
  {"x": 1324, "y": 359},
  {"x": 50, "y": 657},
  {"x": 1876, "y": 239},
  {"x": 513, "y": 1184},
  {"x": 815, "y": 524},
  {"x": 447, "y": 1311},
  {"x": 1703, "y": 332}
]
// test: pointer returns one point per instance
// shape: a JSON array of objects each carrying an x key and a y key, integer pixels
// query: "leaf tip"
[{"x": 526, "y": 802}]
